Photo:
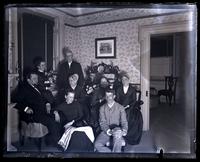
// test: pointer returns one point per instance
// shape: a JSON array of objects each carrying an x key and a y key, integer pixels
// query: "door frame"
[{"x": 145, "y": 33}]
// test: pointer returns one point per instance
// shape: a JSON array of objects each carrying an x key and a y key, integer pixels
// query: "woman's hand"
[
  {"x": 68, "y": 124},
  {"x": 57, "y": 116},
  {"x": 127, "y": 106},
  {"x": 48, "y": 108}
]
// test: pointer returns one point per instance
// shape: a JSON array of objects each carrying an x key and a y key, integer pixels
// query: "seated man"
[
  {"x": 70, "y": 112},
  {"x": 34, "y": 107},
  {"x": 113, "y": 123}
]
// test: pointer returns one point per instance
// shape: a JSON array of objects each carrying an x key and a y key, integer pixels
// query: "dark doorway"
[{"x": 35, "y": 40}]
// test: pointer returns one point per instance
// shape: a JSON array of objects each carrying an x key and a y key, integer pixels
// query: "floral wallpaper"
[{"x": 82, "y": 42}]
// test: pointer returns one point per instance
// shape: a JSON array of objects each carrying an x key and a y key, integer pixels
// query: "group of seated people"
[{"x": 84, "y": 115}]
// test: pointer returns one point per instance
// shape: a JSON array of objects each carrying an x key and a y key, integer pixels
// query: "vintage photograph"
[
  {"x": 101, "y": 80},
  {"x": 105, "y": 47}
]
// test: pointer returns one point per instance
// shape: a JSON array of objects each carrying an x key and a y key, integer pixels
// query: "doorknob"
[{"x": 147, "y": 93}]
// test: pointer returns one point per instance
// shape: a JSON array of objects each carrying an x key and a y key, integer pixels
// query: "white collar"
[
  {"x": 125, "y": 88},
  {"x": 40, "y": 71},
  {"x": 73, "y": 87},
  {"x": 34, "y": 87},
  {"x": 110, "y": 105}
]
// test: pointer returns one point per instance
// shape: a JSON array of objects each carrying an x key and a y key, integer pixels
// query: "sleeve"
[
  {"x": 59, "y": 76},
  {"x": 59, "y": 109},
  {"x": 117, "y": 95},
  {"x": 63, "y": 118},
  {"x": 80, "y": 112},
  {"x": 133, "y": 96},
  {"x": 124, "y": 122},
  {"x": 81, "y": 76},
  {"x": 95, "y": 98},
  {"x": 81, "y": 96},
  {"x": 41, "y": 84},
  {"x": 21, "y": 104},
  {"x": 102, "y": 120}
]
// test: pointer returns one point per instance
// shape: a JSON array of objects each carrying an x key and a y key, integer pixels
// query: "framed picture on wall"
[{"x": 105, "y": 47}]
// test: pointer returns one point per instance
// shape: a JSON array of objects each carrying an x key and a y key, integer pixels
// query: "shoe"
[
  {"x": 123, "y": 142},
  {"x": 60, "y": 148}
]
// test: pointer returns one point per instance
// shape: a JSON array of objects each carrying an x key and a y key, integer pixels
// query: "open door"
[
  {"x": 35, "y": 39},
  {"x": 145, "y": 33}
]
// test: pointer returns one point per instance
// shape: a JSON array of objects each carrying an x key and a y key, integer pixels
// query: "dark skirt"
[
  {"x": 135, "y": 126},
  {"x": 80, "y": 143}
]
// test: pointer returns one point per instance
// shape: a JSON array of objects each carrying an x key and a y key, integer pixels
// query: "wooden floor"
[
  {"x": 168, "y": 128},
  {"x": 167, "y": 131}
]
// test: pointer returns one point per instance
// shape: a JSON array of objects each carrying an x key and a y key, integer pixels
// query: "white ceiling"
[{"x": 77, "y": 11}]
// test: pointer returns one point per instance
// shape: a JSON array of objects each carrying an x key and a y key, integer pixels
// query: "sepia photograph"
[{"x": 100, "y": 80}]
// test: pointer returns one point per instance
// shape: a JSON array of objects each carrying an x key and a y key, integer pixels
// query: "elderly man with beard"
[{"x": 34, "y": 107}]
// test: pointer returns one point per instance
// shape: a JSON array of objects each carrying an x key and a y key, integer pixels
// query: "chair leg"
[
  {"x": 21, "y": 140},
  {"x": 167, "y": 99},
  {"x": 38, "y": 142},
  {"x": 159, "y": 99},
  {"x": 170, "y": 100},
  {"x": 174, "y": 99}
]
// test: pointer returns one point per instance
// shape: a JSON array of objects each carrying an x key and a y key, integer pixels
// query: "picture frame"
[{"x": 105, "y": 47}]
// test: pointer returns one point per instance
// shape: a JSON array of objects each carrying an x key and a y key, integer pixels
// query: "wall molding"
[{"x": 126, "y": 19}]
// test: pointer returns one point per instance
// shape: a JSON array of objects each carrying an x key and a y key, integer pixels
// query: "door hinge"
[{"x": 147, "y": 93}]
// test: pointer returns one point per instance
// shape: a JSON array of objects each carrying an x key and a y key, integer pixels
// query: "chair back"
[{"x": 170, "y": 83}]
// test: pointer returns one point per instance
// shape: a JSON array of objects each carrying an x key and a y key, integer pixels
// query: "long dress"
[
  {"x": 134, "y": 116},
  {"x": 79, "y": 140}
]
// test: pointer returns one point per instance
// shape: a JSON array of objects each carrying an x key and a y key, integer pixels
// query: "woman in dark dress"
[
  {"x": 80, "y": 94},
  {"x": 126, "y": 96},
  {"x": 44, "y": 84},
  {"x": 70, "y": 111}
]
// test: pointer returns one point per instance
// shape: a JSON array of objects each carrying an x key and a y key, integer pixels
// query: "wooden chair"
[{"x": 170, "y": 89}]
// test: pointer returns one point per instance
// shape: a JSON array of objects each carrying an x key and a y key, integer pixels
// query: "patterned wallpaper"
[{"x": 82, "y": 42}]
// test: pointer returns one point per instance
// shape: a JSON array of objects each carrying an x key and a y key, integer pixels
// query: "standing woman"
[
  {"x": 44, "y": 84},
  {"x": 126, "y": 96}
]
